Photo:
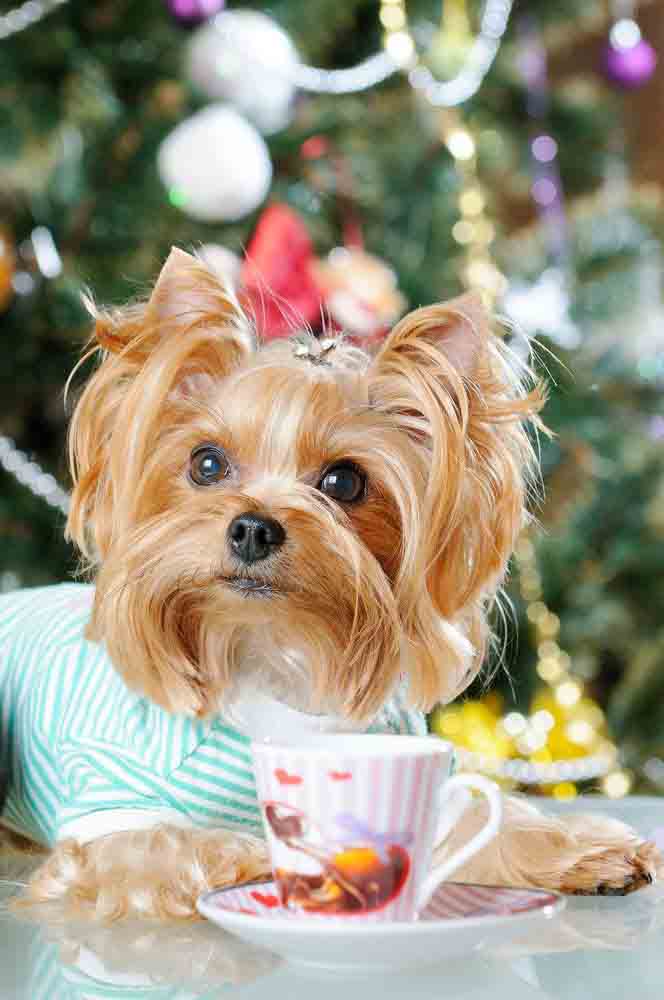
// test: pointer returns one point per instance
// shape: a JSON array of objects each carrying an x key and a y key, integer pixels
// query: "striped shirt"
[{"x": 87, "y": 756}]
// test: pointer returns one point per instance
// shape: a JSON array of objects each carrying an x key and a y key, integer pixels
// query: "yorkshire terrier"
[{"x": 281, "y": 535}]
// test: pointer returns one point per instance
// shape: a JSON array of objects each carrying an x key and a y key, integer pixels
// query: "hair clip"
[{"x": 314, "y": 351}]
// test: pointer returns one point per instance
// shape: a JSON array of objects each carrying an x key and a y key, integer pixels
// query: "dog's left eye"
[
  {"x": 344, "y": 482},
  {"x": 208, "y": 465}
]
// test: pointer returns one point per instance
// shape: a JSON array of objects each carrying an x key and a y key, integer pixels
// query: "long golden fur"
[
  {"x": 426, "y": 547},
  {"x": 399, "y": 584}
]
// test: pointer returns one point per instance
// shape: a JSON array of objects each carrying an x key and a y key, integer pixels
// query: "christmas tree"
[{"x": 504, "y": 146}]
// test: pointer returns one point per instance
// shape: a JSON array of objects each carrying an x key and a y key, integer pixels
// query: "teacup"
[{"x": 352, "y": 821}]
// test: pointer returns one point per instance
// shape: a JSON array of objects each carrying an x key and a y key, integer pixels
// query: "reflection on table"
[{"x": 608, "y": 947}]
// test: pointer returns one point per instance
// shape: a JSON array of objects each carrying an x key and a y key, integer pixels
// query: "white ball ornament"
[
  {"x": 215, "y": 165},
  {"x": 245, "y": 58}
]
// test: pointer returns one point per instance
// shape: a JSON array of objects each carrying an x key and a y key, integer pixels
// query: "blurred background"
[{"x": 353, "y": 158}]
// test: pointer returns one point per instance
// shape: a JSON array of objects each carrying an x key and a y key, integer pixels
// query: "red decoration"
[
  {"x": 284, "y": 778},
  {"x": 314, "y": 147},
  {"x": 278, "y": 282},
  {"x": 265, "y": 899},
  {"x": 340, "y": 775},
  {"x": 284, "y": 287}
]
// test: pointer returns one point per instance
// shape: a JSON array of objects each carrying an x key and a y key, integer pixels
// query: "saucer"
[{"x": 458, "y": 920}]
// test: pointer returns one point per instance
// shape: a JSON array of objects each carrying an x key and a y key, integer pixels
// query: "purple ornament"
[
  {"x": 630, "y": 67},
  {"x": 192, "y": 12},
  {"x": 656, "y": 431}
]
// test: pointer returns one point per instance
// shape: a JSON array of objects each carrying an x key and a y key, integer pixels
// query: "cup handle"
[{"x": 494, "y": 797}]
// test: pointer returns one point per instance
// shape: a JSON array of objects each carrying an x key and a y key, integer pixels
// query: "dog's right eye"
[
  {"x": 208, "y": 465},
  {"x": 344, "y": 482}
]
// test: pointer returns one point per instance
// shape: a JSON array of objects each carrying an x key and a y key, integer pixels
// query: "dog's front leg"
[
  {"x": 574, "y": 854},
  {"x": 156, "y": 873}
]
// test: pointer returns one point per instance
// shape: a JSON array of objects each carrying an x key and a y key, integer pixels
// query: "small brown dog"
[{"x": 297, "y": 520}]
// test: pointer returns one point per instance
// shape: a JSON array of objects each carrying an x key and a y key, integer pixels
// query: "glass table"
[{"x": 610, "y": 948}]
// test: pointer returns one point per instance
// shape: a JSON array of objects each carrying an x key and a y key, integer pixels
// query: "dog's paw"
[
  {"x": 156, "y": 873},
  {"x": 586, "y": 854},
  {"x": 615, "y": 871}
]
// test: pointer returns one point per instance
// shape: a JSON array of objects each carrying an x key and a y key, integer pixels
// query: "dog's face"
[{"x": 318, "y": 519}]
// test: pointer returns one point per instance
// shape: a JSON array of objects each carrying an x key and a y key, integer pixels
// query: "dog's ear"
[
  {"x": 446, "y": 380},
  {"x": 187, "y": 295},
  {"x": 189, "y": 333},
  {"x": 437, "y": 348}
]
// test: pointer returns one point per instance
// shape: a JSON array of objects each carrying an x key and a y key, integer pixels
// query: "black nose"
[{"x": 253, "y": 537}]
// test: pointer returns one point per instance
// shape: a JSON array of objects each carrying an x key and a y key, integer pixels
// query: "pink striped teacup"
[{"x": 351, "y": 821}]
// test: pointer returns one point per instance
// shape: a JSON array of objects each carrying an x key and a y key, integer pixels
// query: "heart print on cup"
[{"x": 352, "y": 821}]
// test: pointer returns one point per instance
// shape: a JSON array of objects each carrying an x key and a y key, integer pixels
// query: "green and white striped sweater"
[{"x": 86, "y": 756}]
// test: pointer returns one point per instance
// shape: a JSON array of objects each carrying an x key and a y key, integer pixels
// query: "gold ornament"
[
  {"x": 453, "y": 40},
  {"x": 465, "y": 59},
  {"x": 168, "y": 99},
  {"x": 474, "y": 231},
  {"x": 562, "y": 740},
  {"x": 7, "y": 267}
]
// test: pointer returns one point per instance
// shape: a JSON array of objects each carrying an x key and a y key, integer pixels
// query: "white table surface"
[{"x": 609, "y": 948}]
